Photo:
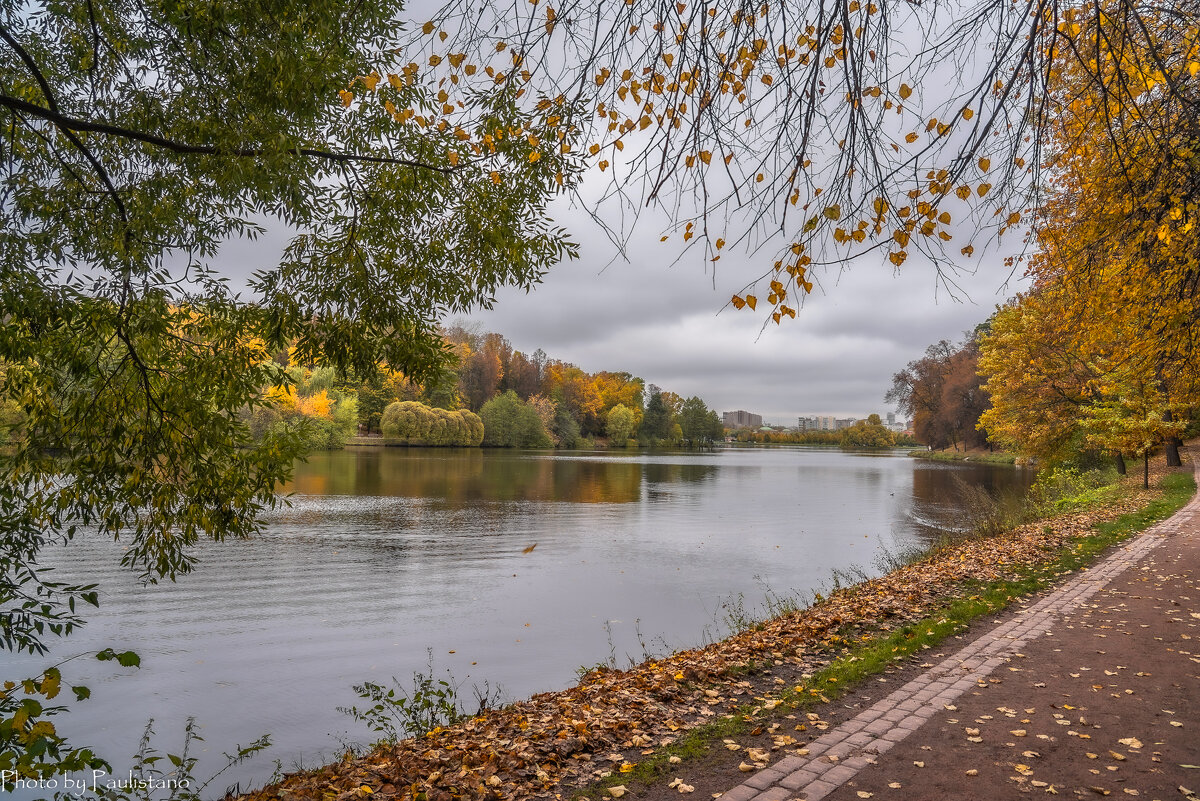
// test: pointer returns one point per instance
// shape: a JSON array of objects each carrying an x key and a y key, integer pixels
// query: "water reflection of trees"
[
  {"x": 673, "y": 473},
  {"x": 469, "y": 475},
  {"x": 937, "y": 499}
]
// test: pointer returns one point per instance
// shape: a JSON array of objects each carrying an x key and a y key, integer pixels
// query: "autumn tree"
[
  {"x": 521, "y": 374},
  {"x": 943, "y": 393},
  {"x": 1101, "y": 353},
  {"x": 867, "y": 434},
  {"x": 481, "y": 370}
]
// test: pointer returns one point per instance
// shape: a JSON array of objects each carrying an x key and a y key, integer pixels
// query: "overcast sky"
[
  {"x": 670, "y": 325},
  {"x": 666, "y": 319}
]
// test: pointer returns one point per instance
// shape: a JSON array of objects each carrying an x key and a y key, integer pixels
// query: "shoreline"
[
  {"x": 627, "y": 726},
  {"x": 964, "y": 456}
]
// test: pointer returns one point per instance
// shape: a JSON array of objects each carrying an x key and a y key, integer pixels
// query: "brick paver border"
[{"x": 838, "y": 755}]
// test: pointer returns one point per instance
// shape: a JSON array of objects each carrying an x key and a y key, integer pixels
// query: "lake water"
[{"x": 387, "y": 554}]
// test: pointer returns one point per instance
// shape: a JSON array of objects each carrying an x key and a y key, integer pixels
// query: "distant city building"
[
  {"x": 823, "y": 423},
  {"x": 891, "y": 418},
  {"x": 741, "y": 419}
]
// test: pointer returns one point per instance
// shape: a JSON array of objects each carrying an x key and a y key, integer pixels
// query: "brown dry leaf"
[
  {"x": 972, "y": 772},
  {"x": 895, "y": 785},
  {"x": 564, "y": 734},
  {"x": 616, "y": 791}
]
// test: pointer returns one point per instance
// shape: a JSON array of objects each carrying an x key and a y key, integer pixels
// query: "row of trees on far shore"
[{"x": 487, "y": 394}]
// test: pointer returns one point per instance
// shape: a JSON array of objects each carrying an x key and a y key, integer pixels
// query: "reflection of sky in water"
[{"x": 385, "y": 553}]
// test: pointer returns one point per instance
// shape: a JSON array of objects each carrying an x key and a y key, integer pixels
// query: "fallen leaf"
[{"x": 617, "y": 791}]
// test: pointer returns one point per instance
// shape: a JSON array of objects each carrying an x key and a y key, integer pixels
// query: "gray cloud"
[{"x": 667, "y": 321}]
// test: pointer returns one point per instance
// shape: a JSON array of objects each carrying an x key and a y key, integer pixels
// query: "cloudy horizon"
[{"x": 667, "y": 320}]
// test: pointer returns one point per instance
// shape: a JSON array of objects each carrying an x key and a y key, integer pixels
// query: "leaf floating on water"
[{"x": 529, "y": 549}]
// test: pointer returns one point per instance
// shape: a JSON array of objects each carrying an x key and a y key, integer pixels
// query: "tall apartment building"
[{"x": 741, "y": 419}]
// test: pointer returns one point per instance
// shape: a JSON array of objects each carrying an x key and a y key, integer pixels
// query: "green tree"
[
  {"x": 656, "y": 421},
  {"x": 697, "y": 424},
  {"x": 139, "y": 138},
  {"x": 509, "y": 422},
  {"x": 620, "y": 424}
]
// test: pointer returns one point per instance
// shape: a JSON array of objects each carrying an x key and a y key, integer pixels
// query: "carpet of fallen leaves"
[{"x": 553, "y": 742}]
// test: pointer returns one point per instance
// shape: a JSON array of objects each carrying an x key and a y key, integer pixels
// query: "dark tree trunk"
[
  {"x": 1120, "y": 464},
  {"x": 1173, "y": 444},
  {"x": 1146, "y": 470}
]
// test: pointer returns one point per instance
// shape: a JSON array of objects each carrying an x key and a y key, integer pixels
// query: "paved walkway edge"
[{"x": 839, "y": 754}]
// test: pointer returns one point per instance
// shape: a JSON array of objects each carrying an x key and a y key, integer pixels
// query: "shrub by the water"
[{"x": 413, "y": 423}]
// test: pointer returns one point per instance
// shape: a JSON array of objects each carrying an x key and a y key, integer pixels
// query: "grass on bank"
[
  {"x": 964, "y": 456},
  {"x": 861, "y": 661}
]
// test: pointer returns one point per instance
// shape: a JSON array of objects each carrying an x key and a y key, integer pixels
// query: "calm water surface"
[{"x": 385, "y": 553}]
